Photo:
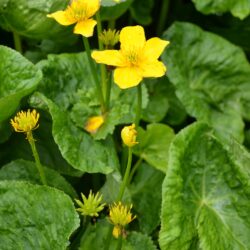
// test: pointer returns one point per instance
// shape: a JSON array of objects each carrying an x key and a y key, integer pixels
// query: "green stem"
[
  {"x": 36, "y": 156},
  {"x": 108, "y": 238},
  {"x": 136, "y": 166},
  {"x": 119, "y": 243},
  {"x": 139, "y": 104},
  {"x": 99, "y": 29},
  {"x": 94, "y": 73},
  {"x": 17, "y": 42},
  {"x": 126, "y": 176},
  {"x": 108, "y": 90},
  {"x": 163, "y": 17}
]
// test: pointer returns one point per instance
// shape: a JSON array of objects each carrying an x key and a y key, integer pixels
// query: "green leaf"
[
  {"x": 18, "y": 78},
  {"x": 35, "y": 217},
  {"x": 211, "y": 84},
  {"x": 22, "y": 170},
  {"x": 154, "y": 144},
  {"x": 239, "y": 8},
  {"x": 146, "y": 196},
  {"x": 141, "y": 11},
  {"x": 28, "y": 18},
  {"x": 158, "y": 104},
  {"x": 205, "y": 194},
  {"x": 77, "y": 146},
  {"x": 112, "y": 10},
  {"x": 95, "y": 238}
]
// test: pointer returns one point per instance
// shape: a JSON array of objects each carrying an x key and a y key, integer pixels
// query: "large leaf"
[
  {"x": 18, "y": 78},
  {"x": 35, "y": 217},
  {"x": 154, "y": 144},
  {"x": 239, "y": 8},
  {"x": 205, "y": 194},
  {"x": 77, "y": 146},
  {"x": 28, "y": 18},
  {"x": 27, "y": 171},
  {"x": 146, "y": 196},
  {"x": 213, "y": 85}
]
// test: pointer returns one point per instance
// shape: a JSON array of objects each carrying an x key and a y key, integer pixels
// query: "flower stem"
[
  {"x": 119, "y": 243},
  {"x": 101, "y": 47},
  {"x": 108, "y": 90},
  {"x": 36, "y": 156},
  {"x": 139, "y": 104},
  {"x": 163, "y": 17},
  {"x": 126, "y": 176},
  {"x": 136, "y": 166},
  {"x": 17, "y": 42},
  {"x": 94, "y": 74}
]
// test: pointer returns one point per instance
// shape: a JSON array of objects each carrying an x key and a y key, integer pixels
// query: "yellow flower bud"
[
  {"x": 90, "y": 206},
  {"x": 120, "y": 216},
  {"x": 94, "y": 123},
  {"x": 109, "y": 38},
  {"x": 128, "y": 135},
  {"x": 25, "y": 122}
]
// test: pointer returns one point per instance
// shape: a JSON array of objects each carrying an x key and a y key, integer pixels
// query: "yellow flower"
[
  {"x": 25, "y": 121},
  {"x": 91, "y": 206},
  {"x": 79, "y": 12},
  {"x": 94, "y": 123},
  {"x": 120, "y": 215},
  {"x": 136, "y": 59},
  {"x": 128, "y": 135}
]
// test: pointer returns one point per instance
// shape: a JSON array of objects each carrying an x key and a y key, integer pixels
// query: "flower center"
[{"x": 78, "y": 11}]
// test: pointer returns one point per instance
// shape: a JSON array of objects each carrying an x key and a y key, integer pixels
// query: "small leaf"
[
  {"x": 18, "y": 78},
  {"x": 154, "y": 144}
]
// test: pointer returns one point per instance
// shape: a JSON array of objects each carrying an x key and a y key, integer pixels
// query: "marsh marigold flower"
[
  {"x": 79, "y": 12},
  {"x": 120, "y": 216},
  {"x": 94, "y": 123},
  {"x": 136, "y": 59},
  {"x": 90, "y": 206},
  {"x": 128, "y": 135},
  {"x": 25, "y": 122}
]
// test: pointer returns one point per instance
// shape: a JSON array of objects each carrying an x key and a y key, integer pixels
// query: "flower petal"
[
  {"x": 132, "y": 38},
  {"x": 85, "y": 28},
  {"x": 62, "y": 17},
  {"x": 92, "y": 7},
  {"x": 154, "y": 69},
  {"x": 109, "y": 57},
  {"x": 127, "y": 77},
  {"x": 154, "y": 48}
]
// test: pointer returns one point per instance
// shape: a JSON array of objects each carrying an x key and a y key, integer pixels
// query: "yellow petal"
[
  {"x": 94, "y": 123},
  {"x": 154, "y": 69},
  {"x": 92, "y": 6},
  {"x": 62, "y": 17},
  {"x": 132, "y": 38},
  {"x": 127, "y": 77},
  {"x": 85, "y": 28},
  {"x": 109, "y": 57},
  {"x": 154, "y": 48}
]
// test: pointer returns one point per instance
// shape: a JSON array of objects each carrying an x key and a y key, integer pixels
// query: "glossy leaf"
[
  {"x": 239, "y": 8},
  {"x": 28, "y": 18},
  {"x": 212, "y": 84},
  {"x": 18, "y": 78},
  {"x": 22, "y": 170},
  {"x": 35, "y": 217},
  {"x": 205, "y": 197},
  {"x": 154, "y": 144}
]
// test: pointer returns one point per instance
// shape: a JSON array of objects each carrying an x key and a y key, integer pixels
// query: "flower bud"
[
  {"x": 109, "y": 38},
  {"x": 128, "y": 135}
]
